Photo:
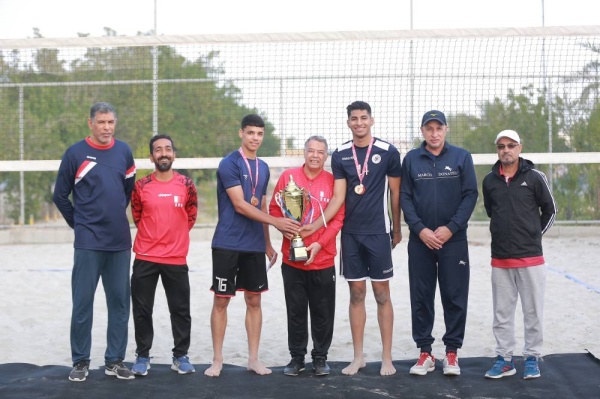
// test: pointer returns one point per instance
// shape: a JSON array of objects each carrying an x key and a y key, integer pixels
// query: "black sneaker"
[
  {"x": 80, "y": 371},
  {"x": 320, "y": 366},
  {"x": 295, "y": 366},
  {"x": 119, "y": 370}
]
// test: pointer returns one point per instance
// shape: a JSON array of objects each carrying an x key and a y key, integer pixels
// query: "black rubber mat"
[{"x": 563, "y": 376}]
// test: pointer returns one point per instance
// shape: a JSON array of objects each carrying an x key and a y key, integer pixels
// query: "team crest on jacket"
[{"x": 376, "y": 158}]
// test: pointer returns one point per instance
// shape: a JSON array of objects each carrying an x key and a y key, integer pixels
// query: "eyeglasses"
[{"x": 510, "y": 146}]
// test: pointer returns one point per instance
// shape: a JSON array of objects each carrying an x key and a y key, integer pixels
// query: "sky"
[{"x": 67, "y": 18}]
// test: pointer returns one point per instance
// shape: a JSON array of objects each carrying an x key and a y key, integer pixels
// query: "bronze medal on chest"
[{"x": 360, "y": 189}]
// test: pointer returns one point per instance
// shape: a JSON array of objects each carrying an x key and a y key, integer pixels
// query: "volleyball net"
[{"x": 542, "y": 82}]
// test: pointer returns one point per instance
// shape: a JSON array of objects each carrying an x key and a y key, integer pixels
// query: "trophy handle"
[
  {"x": 312, "y": 206},
  {"x": 278, "y": 199},
  {"x": 308, "y": 209}
]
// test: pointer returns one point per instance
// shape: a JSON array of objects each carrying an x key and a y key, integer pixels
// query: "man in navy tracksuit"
[
  {"x": 93, "y": 188},
  {"x": 438, "y": 195}
]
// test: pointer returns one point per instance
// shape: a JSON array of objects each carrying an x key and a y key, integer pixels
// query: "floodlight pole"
[
  {"x": 412, "y": 77},
  {"x": 283, "y": 139},
  {"x": 548, "y": 94},
  {"x": 155, "y": 77},
  {"x": 21, "y": 155}
]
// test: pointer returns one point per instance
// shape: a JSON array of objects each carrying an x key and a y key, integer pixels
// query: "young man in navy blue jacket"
[{"x": 438, "y": 195}]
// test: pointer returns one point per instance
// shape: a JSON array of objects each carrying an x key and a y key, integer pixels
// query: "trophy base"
[{"x": 298, "y": 254}]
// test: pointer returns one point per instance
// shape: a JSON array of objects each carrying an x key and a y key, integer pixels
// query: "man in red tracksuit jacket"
[
  {"x": 310, "y": 284},
  {"x": 164, "y": 206}
]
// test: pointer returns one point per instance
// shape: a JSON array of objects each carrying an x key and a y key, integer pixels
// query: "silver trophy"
[{"x": 294, "y": 202}]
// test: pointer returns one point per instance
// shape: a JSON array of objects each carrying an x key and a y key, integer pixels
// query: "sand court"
[{"x": 36, "y": 305}]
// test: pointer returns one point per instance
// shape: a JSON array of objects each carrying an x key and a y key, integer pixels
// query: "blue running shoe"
[
  {"x": 501, "y": 368},
  {"x": 531, "y": 368},
  {"x": 182, "y": 365},
  {"x": 141, "y": 366}
]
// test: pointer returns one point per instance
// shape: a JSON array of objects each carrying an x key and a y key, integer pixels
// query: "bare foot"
[
  {"x": 214, "y": 370},
  {"x": 352, "y": 368},
  {"x": 258, "y": 368},
  {"x": 387, "y": 368}
]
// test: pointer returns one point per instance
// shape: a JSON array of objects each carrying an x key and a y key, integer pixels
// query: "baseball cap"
[
  {"x": 434, "y": 115},
  {"x": 511, "y": 134}
]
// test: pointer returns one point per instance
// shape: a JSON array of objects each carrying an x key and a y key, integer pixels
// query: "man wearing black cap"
[
  {"x": 438, "y": 195},
  {"x": 521, "y": 208}
]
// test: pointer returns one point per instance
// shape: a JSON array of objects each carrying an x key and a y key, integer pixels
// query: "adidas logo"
[{"x": 524, "y": 184}]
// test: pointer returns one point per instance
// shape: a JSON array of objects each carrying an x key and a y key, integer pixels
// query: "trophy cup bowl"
[{"x": 294, "y": 201}]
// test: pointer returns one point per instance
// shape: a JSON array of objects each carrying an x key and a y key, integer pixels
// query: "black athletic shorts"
[{"x": 238, "y": 271}]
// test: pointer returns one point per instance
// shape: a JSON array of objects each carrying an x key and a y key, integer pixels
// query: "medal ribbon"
[
  {"x": 365, "y": 168},
  {"x": 253, "y": 182}
]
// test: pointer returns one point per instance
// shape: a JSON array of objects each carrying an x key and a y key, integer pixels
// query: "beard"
[
  {"x": 163, "y": 167},
  {"x": 507, "y": 161}
]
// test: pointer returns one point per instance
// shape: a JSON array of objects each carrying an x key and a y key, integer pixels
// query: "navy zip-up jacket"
[
  {"x": 438, "y": 190},
  {"x": 520, "y": 211},
  {"x": 101, "y": 180}
]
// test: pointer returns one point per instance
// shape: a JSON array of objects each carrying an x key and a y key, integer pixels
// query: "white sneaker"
[
  {"x": 424, "y": 365},
  {"x": 451, "y": 364}
]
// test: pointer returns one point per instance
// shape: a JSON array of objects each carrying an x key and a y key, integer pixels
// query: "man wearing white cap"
[{"x": 518, "y": 200}]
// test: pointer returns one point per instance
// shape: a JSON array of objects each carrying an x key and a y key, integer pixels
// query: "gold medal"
[
  {"x": 254, "y": 201},
  {"x": 360, "y": 189}
]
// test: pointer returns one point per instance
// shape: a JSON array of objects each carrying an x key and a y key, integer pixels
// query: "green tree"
[
  {"x": 577, "y": 188},
  {"x": 578, "y": 185},
  {"x": 527, "y": 113},
  {"x": 590, "y": 76},
  {"x": 196, "y": 106}
]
